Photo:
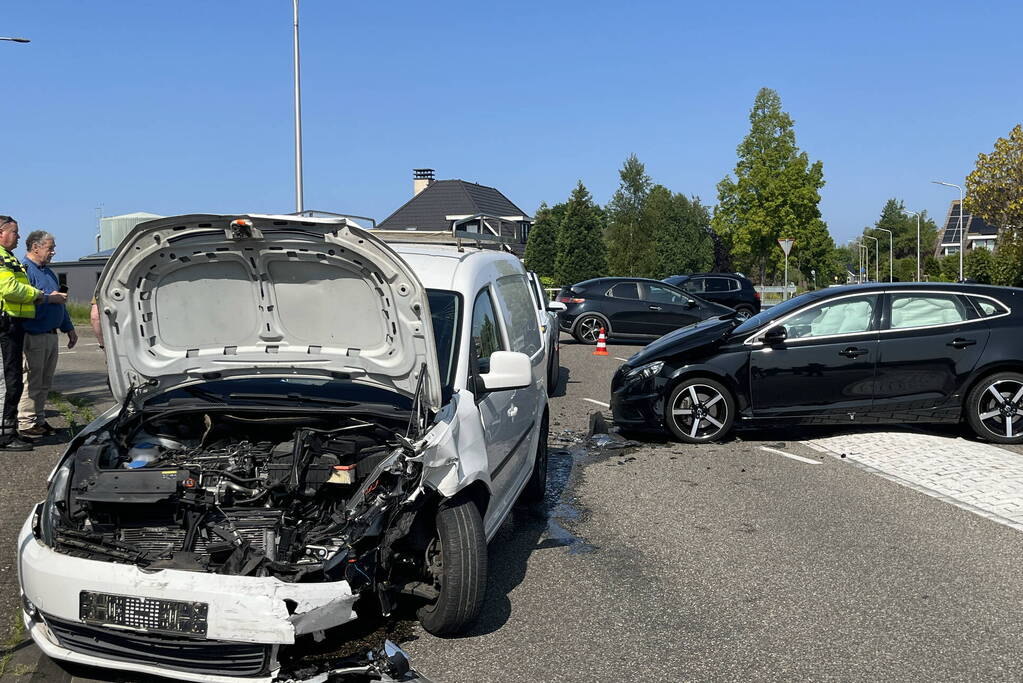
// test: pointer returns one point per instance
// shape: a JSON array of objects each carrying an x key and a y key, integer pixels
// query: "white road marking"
[
  {"x": 789, "y": 455},
  {"x": 599, "y": 403},
  {"x": 624, "y": 360}
]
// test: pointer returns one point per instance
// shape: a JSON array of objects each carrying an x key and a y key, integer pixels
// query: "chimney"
[{"x": 422, "y": 178}]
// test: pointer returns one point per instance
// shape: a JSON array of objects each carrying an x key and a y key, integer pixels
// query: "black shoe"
[{"x": 14, "y": 443}]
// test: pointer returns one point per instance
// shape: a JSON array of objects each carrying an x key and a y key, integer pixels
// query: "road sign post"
[{"x": 786, "y": 246}]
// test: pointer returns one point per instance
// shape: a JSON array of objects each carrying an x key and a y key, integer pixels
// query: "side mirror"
[
  {"x": 508, "y": 370},
  {"x": 775, "y": 335},
  {"x": 691, "y": 303},
  {"x": 556, "y": 307}
]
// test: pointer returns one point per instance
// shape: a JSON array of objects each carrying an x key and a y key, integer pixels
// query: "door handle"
[
  {"x": 513, "y": 411},
  {"x": 852, "y": 352},
  {"x": 655, "y": 308},
  {"x": 961, "y": 343}
]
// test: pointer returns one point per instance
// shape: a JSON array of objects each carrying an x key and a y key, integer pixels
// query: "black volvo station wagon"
[{"x": 903, "y": 352}]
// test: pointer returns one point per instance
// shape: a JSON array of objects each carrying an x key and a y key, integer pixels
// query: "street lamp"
[
  {"x": 17, "y": 40},
  {"x": 917, "y": 214},
  {"x": 891, "y": 253},
  {"x": 298, "y": 119},
  {"x": 864, "y": 262},
  {"x": 877, "y": 256},
  {"x": 962, "y": 228}
]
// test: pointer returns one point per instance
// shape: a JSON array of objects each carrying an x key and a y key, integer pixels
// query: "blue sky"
[{"x": 182, "y": 107}]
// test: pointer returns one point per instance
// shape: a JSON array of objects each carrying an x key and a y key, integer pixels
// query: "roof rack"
[{"x": 486, "y": 234}]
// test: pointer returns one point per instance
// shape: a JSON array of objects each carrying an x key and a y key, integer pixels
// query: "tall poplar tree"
[
  {"x": 581, "y": 252},
  {"x": 775, "y": 194},
  {"x": 630, "y": 242},
  {"x": 681, "y": 230}
]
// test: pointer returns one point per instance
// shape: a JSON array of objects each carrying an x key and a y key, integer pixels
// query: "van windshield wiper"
[{"x": 299, "y": 398}]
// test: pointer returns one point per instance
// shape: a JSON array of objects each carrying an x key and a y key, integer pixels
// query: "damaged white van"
[{"x": 306, "y": 415}]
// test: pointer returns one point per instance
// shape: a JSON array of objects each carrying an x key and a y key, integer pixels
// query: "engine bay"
[{"x": 298, "y": 495}]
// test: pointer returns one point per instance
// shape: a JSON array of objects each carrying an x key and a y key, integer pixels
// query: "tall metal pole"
[
  {"x": 298, "y": 120},
  {"x": 917, "y": 214},
  {"x": 786, "y": 282},
  {"x": 877, "y": 257},
  {"x": 17, "y": 40},
  {"x": 891, "y": 253},
  {"x": 962, "y": 227}
]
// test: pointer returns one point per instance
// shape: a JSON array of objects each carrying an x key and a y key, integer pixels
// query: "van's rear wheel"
[
  {"x": 456, "y": 562},
  {"x": 536, "y": 487}
]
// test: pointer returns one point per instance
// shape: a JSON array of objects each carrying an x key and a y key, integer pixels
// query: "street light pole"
[
  {"x": 917, "y": 214},
  {"x": 877, "y": 257},
  {"x": 864, "y": 265},
  {"x": 891, "y": 253},
  {"x": 962, "y": 228},
  {"x": 17, "y": 40},
  {"x": 298, "y": 119}
]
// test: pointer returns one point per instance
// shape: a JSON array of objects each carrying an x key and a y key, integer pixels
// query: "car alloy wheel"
[
  {"x": 700, "y": 410},
  {"x": 742, "y": 313},
  {"x": 588, "y": 329},
  {"x": 996, "y": 408}
]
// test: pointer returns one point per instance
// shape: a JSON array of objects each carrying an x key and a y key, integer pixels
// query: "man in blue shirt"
[{"x": 41, "y": 336}]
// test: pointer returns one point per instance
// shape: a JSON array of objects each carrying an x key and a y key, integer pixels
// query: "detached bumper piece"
[{"x": 169, "y": 652}]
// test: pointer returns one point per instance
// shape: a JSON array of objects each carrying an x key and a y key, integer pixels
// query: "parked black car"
[
  {"x": 908, "y": 352},
  {"x": 630, "y": 308},
  {"x": 728, "y": 289}
]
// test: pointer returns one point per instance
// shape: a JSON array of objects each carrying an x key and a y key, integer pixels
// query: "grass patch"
[
  {"x": 75, "y": 410},
  {"x": 13, "y": 639},
  {"x": 79, "y": 312}
]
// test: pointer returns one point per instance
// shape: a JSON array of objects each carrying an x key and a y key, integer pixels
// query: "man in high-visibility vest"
[{"x": 18, "y": 301}]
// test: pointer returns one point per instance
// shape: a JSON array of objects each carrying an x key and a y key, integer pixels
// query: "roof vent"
[{"x": 422, "y": 178}]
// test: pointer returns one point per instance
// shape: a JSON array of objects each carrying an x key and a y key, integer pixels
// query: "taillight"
[
  {"x": 756, "y": 295},
  {"x": 570, "y": 300}
]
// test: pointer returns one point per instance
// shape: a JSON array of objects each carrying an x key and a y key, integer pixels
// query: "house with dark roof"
[
  {"x": 443, "y": 205},
  {"x": 979, "y": 233}
]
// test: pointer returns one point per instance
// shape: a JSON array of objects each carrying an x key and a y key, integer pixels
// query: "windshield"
[
  {"x": 768, "y": 314},
  {"x": 445, "y": 312}
]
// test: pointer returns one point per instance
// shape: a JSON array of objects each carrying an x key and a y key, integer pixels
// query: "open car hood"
[{"x": 198, "y": 297}]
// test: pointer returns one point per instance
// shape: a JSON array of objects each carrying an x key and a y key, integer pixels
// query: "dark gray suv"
[{"x": 729, "y": 289}]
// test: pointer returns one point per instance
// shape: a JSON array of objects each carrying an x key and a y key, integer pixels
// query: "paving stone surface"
[{"x": 979, "y": 477}]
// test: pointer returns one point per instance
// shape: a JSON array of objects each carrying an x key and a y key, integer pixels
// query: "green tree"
[
  {"x": 630, "y": 242},
  {"x": 681, "y": 231},
  {"x": 903, "y": 227},
  {"x": 977, "y": 265},
  {"x": 542, "y": 243},
  {"x": 1007, "y": 263},
  {"x": 775, "y": 193},
  {"x": 581, "y": 252},
  {"x": 994, "y": 190}
]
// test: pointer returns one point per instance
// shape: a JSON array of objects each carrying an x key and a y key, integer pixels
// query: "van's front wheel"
[{"x": 456, "y": 562}]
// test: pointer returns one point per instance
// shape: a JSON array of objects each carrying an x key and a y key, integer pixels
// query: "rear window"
[
  {"x": 523, "y": 331},
  {"x": 624, "y": 290},
  {"x": 718, "y": 284}
]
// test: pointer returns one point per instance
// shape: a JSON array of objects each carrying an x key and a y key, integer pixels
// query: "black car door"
[
  {"x": 624, "y": 309},
  {"x": 668, "y": 308},
  {"x": 824, "y": 367},
  {"x": 930, "y": 343}
]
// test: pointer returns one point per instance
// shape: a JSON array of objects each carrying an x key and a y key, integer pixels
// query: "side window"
[
  {"x": 624, "y": 290},
  {"x": 844, "y": 316},
  {"x": 523, "y": 333},
  {"x": 717, "y": 284},
  {"x": 486, "y": 335},
  {"x": 988, "y": 307},
  {"x": 663, "y": 295},
  {"x": 925, "y": 310},
  {"x": 694, "y": 285}
]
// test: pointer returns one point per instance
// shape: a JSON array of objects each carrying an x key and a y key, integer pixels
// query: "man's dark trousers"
[{"x": 12, "y": 344}]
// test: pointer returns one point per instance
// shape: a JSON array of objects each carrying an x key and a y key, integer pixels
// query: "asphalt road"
[{"x": 672, "y": 562}]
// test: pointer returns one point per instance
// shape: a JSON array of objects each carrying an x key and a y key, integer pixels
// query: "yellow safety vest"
[{"x": 17, "y": 295}]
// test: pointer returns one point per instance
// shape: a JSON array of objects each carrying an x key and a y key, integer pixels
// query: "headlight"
[
  {"x": 57, "y": 495},
  {"x": 644, "y": 371}
]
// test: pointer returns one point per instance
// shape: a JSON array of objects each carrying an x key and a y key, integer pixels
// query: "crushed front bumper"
[{"x": 247, "y": 615}]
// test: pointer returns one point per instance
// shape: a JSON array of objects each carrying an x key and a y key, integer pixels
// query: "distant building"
[
  {"x": 979, "y": 233},
  {"x": 439, "y": 205}
]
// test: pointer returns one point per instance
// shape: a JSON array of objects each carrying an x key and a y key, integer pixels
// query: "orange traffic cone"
[{"x": 601, "y": 349}]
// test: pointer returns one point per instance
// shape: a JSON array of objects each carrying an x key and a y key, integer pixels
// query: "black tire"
[
  {"x": 743, "y": 313},
  {"x": 994, "y": 408},
  {"x": 587, "y": 329},
  {"x": 457, "y": 562},
  {"x": 699, "y": 410},
  {"x": 536, "y": 487},
  {"x": 554, "y": 370}
]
